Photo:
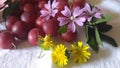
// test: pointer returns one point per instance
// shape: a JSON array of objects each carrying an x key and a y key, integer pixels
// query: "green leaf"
[
  {"x": 68, "y": 53},
  {"x": 106, "y": 17},
  {"x": 92, "y": 40},
  {"x": 9, "y": 10},
  {"x": 93, "y": 44},
  {"x": 108, "y": 39},
  {"x": 103, "y": 27},
  {"x": 40, "y": 41},
  {"x": 6, "y": 12},
  {"x": 86, "y": 30},
  {"x": 97, "y": 36},
  {"x": 15, "y": 5},
  {"x": 98, "y": 21},
  {"x": 63, "y": 29},
  {"x": 9, "y": 2}
]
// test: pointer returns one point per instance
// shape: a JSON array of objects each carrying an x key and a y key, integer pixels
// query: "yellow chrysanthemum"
[
  {"x": 58, "y": 55},
  {"x": 80, "y": 53},
  {"x": 46, "y": 43}
]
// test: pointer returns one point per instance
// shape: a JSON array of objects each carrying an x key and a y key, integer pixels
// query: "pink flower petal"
[
  {"x": 51, "y": 11},
  {"x": 63, "y": 21},
  {"x": 89, "y": 19},
  {"x": 98, "y": 15},
  {"x": 47, "y": 6},
  {"x": 87, "y": 8},
  {"x": 66, "y": 12},
  {"x": 72, "y": 27},
  {"x": 92, "y": 12},
  {"x": 54, "y": 12},
  {"x": 77, "y": 12},
  {"x": 55, "y": 4},
  {"x": 44, "y": 13},
  {"x": 80, "y": 21},
  {"x": 46, "y": 18},
  {"x": 96, "y": 9}
]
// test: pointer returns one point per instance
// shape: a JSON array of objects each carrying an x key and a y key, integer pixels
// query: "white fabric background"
[{"x": 26, "y": 56}]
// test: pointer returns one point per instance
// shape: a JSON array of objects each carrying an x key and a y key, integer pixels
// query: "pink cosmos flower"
[
  {"x": 92, "y": 12},
  {"x": 2, "y": 4},
  {"x": 50, "y": 10},
  {"x": 72, "y": 17}
]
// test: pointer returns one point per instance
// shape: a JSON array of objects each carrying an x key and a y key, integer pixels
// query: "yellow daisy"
[
  {"x": 46, "y": 43},
  {"x": 58, "y": 55},
  {"x": 80, "y": 53}
]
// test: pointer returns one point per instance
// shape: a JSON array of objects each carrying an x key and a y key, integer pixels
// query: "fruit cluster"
[{"x": 26, "y": 22}]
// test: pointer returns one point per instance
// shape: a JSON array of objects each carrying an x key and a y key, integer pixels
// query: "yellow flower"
[
  {"x": 80, "y": 53},
  {"x": 47, "y": 38},
  {"x": 46, "y": 43},
  {"x": 58, "y": 55}
]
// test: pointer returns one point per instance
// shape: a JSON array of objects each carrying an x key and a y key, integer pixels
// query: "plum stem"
[{"x": 14, "y": 45}]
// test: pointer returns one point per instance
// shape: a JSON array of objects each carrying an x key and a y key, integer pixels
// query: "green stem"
[{"x": 40, "y": 55}]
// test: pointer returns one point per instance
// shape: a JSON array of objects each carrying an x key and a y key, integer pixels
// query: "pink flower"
[
  {"x": 2, "y": 4},
  {"x": 72, "y": 17},
  {"x": 2, "y": 1},
  {"x": 92, "y": 12},
  {"x": 50, "y": 10}
]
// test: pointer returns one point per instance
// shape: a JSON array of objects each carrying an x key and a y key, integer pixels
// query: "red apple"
[
  {"x": 51, "y": 27},
  {"x": 41, "y": 4},
  {"x": 62, "y": 4},
  {"x": 78, "y": 3},
  {"x": 10, "y": 21},
  {"x": 29, "y": 18},
  {"x": 7, "y": 40},
  {"x": 39, "y": 22},
  {"x": 20, "y": 29},
  {"x": 34, "y": 34},
  {"x": 62, "y": 0},
  {"x": 69, "y": 36},
  {"x": 29, "y": 8}
]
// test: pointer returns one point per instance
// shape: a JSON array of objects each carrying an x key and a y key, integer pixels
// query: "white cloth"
[{"x": 26, "y": 56}]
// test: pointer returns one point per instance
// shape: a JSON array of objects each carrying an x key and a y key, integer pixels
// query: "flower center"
[
  {"x": 50, "y": 11},
  {"x": 90, "y": 14},
  {"x": 72, "y": 18}
]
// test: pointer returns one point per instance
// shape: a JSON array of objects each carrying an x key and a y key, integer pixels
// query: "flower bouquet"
[{"x": 43, "y": 21}]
